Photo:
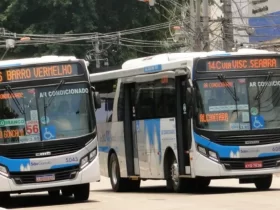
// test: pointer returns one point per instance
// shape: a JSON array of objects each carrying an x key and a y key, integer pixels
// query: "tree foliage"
[{"x": 78, "y": 16}]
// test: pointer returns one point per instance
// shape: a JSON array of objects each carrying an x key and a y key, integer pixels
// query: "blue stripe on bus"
[
  {"x": 64, "y": 165},
  {"x": 17, "y": 165},
  {"x": 220, "y": 54},
  {"x": 14, "y": 165},
  {"x": 268, "y": 154},
  {"x": 104, "y": 149},
  {"x": 10, "y": 65},
  {"x": 225, "y": 151}
]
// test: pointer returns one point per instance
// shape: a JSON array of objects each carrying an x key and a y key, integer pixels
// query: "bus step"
[{"x": 134, "y": 177}]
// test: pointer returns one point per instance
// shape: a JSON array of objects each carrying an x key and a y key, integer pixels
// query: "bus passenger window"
[
  {"x": 144, "y": 101},
  {"x": 107, "y": 93},
  {"x": 165, "y": 99},
  {"x": 120, "y": 108}
]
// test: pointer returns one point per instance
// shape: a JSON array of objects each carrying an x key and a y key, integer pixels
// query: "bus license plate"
[
  {"x": 45, "y": 178},
  {"x": 256, "y": 164}
]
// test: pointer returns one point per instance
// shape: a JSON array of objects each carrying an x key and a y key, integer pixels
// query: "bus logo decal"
[
  {"x": 40, "y": 154},
  {"x": 252, "y": 142}
]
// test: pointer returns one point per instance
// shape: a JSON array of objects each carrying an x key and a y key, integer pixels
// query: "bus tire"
[
  {"x": 81, "y": 192},
  {"x": 174, "y": 182},
  {"x": 263, "y": 183},
  {"x": 54, "y": 193},
  {"x": 118, "y": 184}
]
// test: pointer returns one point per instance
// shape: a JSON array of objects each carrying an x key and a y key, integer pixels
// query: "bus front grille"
[
  {"x": 248, "y": 140},
  {"x": 58, "y": 148},
  {"x": 239, "y": 163},
  {"x": 30, "y": 177}
]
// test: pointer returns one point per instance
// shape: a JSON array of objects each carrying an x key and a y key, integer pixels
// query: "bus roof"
[
  {"x": 164, "y": 62},
  {"x": 36, "y": 60}
]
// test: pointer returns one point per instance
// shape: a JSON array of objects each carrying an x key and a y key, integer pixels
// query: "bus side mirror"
[{"x": 97, "y": 100}]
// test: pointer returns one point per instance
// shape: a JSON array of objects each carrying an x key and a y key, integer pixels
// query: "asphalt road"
[{"x": 222, "y": 195}]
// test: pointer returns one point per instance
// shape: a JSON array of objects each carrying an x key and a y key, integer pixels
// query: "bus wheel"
[
  {"x": 263, "y": 183},
  {"x": 118, "y": 184},
  {"x": 174, "y": 181},
  {"x": 81, "y": 192},
  {"x": 54, "y": 193}
]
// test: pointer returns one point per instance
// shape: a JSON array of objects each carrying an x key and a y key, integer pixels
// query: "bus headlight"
[
  {"x": 4, "y": 171},
  {"x": 213, "y": 155},
  {"x": 92, "y": 154},
  {"x": 202, "y": 150},
  {"x": 84, "y": 162},
  {"x": 88, "y": 158},
  {"x": 208, "y": 153}
]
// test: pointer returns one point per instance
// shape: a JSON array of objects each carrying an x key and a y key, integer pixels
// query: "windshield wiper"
[
  {"x": 231, "y": 92},
  {"x": 62, "y": 82},
  {"x": 259, "y": 95},
  {"x": 10, "y": 91}
]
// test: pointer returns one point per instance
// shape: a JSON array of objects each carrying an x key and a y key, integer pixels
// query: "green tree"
[
  {"x": 127, "y": 14},
  {"x": 79, "y": 16},
  {"x": 48, "y": 17}
]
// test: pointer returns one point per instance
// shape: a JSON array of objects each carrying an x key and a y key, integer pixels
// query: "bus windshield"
[
  {"x": 40, "y": 114},
  {"x": 218, "y": 109}
]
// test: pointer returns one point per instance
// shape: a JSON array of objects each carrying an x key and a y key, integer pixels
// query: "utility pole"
[
  {"x": 97, "y": 52},
  {"x": 192, "y": 21},
  {"x": 227, "y": 26},
  {"x": 206, "y": 25},
  {"x": 183, "y": 17},
  {"x": 197, "y": 27}
]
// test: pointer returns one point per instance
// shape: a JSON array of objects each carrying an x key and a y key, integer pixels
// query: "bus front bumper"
[
  {"x": 205, "y": 167},
  {"x": 90, "y": 173}
]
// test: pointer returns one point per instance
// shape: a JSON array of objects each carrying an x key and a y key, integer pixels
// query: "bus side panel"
[
  {"x": 154, "y": 136},
  {"x": 104, "y": 148},
  {"x": 111, "y": 138},
  {"x": 168, "y": 138},
  {"x": 118, "y": 145}
]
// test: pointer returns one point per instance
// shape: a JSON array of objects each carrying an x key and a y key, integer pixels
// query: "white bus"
[
  {"x": 188, "y": 118},
  {"x": 48, "y": 137}
]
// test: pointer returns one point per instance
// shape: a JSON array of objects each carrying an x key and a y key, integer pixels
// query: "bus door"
[
  {"x": 131, "y": 148},
  {"x": 183, "y": 121},
  {"x": 142, "y": 124},
  {"x": 153, "y": 121}
]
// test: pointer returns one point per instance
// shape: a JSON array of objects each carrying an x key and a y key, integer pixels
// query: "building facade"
[{"x": 254, "y": 21}]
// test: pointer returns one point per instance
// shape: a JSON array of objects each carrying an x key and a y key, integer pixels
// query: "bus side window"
[
  {"x": 120, "y": 108},
  {"x": 144, "y": 103},
  {"x": 107, "y": 93},
  {"x": 165, "y": 102}
]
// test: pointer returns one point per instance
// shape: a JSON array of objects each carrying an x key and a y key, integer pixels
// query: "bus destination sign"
[
  {"x": 243, "y": 64},
  {"x": 38, "y": 72}
]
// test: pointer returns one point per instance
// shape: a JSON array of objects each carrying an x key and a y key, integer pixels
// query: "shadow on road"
[
  {"x": 33, "y": 200},
  {"x": 208, "y": 191}
]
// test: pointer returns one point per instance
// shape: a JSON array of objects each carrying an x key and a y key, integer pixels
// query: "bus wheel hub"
[{"x": 174, "y": 172}]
